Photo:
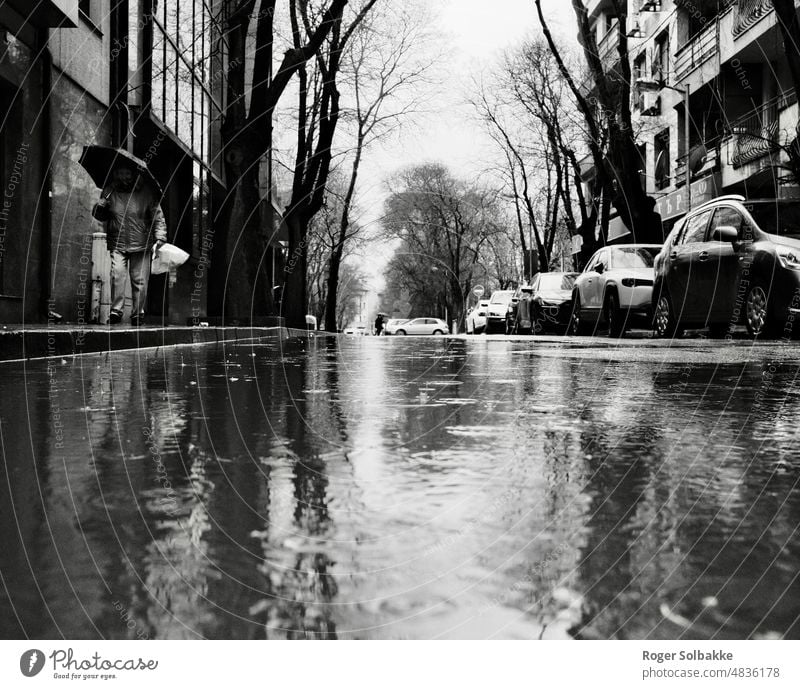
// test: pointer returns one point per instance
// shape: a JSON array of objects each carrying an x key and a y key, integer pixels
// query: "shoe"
[
  {"x": 114, "y": 318},
  {"x": 136, "y": 321}
]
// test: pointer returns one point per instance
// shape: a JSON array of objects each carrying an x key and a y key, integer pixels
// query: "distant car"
[
  {"x": 476, "y": 318},
  {"x": 392, "y": 324},
  {"x": 422, "y": 326},
  {"x": 496, "y": 315},
  {"x": 731, "y": 261},
  {"x": 551, "y": 302},
  {"x": 518, "y": 321},
  {"x": 615, "y": 288},
  {"x": 356, "y": 330}
]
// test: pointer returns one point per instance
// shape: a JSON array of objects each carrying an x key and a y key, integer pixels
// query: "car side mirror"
[{"x": 725, "y": 233}]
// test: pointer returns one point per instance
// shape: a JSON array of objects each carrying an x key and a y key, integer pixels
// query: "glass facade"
[{"x": 187, "y": 100}]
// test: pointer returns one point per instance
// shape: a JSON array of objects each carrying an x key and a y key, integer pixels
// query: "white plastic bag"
[{"x": 168, "y": 257}]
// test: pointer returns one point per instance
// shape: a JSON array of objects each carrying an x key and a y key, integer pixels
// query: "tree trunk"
[
  {"x": 295, "y": 290},
  {"x": 333, "y": 291},
  {"x": 247, "y": 292}
]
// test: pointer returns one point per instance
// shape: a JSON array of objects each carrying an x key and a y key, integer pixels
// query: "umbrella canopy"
[{"x": 100, "y": 161}]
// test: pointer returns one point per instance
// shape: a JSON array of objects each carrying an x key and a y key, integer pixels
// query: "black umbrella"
[{"x": 100, "y": 161}]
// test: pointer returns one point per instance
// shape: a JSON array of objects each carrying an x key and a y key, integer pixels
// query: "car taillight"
[{"x": 636, "y": 282}]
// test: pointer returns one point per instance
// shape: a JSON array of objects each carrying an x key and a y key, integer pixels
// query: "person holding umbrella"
[{"x": 134, "y": 224}]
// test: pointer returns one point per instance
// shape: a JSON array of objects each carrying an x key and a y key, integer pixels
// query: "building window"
[
  {"x": 186, "y": 98},
  {"x": 662, "y": 163},
  {"x": 661, "y": 58}
]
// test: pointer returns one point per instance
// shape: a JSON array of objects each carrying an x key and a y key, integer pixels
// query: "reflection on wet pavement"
[{"x": 415, "y": 488}]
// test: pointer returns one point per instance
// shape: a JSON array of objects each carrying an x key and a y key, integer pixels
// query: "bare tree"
[
  {"x": 318, "y": 117},
  {"x": 252, "y": 94},
  {"x": 442, "y": 225},
  {"x": 608, "y": 118},
  {"x": 382, "y": 64}
]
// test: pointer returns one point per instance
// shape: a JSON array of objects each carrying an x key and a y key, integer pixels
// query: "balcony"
[
  {"x": 48, "y": 13},
  {"x": 749, "y": 12},
  {"x": 756, "y": 134},
  {"x": 699, "y": 49},
  {"x": 705, "y": 160},
  {"x": 607, "y": 48}
]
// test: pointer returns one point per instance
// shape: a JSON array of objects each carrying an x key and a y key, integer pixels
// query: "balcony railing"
[
  {"x": 702, "y": 46},
  {"x": 756, "y": 134},
  {"x": 748, "y": 12}
]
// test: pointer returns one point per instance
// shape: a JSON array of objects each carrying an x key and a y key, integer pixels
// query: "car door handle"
[
  {"x": 589, "y": 280},
  {"x": 703, "y": 255}
]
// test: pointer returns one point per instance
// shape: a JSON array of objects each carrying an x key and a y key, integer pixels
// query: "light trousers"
[{"x": 136, "y": 265}]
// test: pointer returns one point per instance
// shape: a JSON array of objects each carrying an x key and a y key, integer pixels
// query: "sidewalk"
[{"x": 39, "y": 340}]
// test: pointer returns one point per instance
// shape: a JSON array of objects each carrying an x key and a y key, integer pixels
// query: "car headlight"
[
  {"x": 636, "y": 282},
  {"x": 789, "y": 257}
]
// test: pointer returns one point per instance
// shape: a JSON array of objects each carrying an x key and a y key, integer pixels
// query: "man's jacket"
[{"x": 134, "y": 218}]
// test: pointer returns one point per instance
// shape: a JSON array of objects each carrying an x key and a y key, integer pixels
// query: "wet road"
[{"x": 404, "y": 488}]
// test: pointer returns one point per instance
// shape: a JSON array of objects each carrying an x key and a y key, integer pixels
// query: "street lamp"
[{"x": 654, "y": 86}]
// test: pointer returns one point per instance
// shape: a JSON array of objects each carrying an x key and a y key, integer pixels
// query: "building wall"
[
  {"x": 77, "y": 120},
  {"x": 21, "y": 172},
  {"x": 731, "y": 75}
]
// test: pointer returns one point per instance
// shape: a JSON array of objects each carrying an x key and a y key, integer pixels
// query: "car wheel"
[
  {"x": 664, "y": 322},
  {"x": 756, "y": 312},
  {"x": 438, "y": 332},
  {"x": 400, "y": 332},
  {"x": 577, "y": 325},
  {"x": 614, "y": 316}
]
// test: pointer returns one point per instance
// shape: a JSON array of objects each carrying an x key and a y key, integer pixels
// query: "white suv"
[{"x": 615, "y": 288}]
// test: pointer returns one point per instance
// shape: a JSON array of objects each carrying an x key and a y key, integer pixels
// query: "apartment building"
[{"x": 720, "y": 63}]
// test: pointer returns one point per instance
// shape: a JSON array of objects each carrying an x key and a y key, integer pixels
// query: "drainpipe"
[{"x": 45, "y": 197}]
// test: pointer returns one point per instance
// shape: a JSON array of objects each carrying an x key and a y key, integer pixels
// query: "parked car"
[
  {"x": 550, "y": 302},
  {"x": 729, "y": 262},
  {"x": 422, "y": 326},
  {"x": 518, "y": 321},
  {"x": 475, "y": 321},
  {"x": 393, "y": 324},
  {"x": 615, "y": 289},
  {"x": 497, "y": 312},
  {"x": 356, "y": 330}
]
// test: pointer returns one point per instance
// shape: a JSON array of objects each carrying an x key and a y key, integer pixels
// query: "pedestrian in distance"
[
  {"x": 135, "y": 228},
  {"x": 379, "y": 325}
]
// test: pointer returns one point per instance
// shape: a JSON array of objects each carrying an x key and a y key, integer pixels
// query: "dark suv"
[{"x": 730, "y": 261}]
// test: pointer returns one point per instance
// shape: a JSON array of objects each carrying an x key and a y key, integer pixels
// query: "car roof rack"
[{"x": 724, "y": 197}]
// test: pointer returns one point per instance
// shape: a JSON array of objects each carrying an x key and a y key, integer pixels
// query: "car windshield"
[
  {"x": 781, "y": 217},
  {"x": 633, "y": 257},
  {"x": 501, "y": 297},
  {"x": 553, "y": 282}
]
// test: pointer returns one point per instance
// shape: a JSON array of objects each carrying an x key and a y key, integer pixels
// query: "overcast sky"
[{"x": 475, "y": 33}]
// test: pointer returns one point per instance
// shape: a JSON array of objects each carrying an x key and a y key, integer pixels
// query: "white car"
[
  {"x": 615, "y": 288},
  {"x": 498, "y": 311},
  {"x": 476, "y": 317},
  {"x": 356, "y": 330},
  {"x": 393, "y": 324},
  {"x": 422, "y": 326}
]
